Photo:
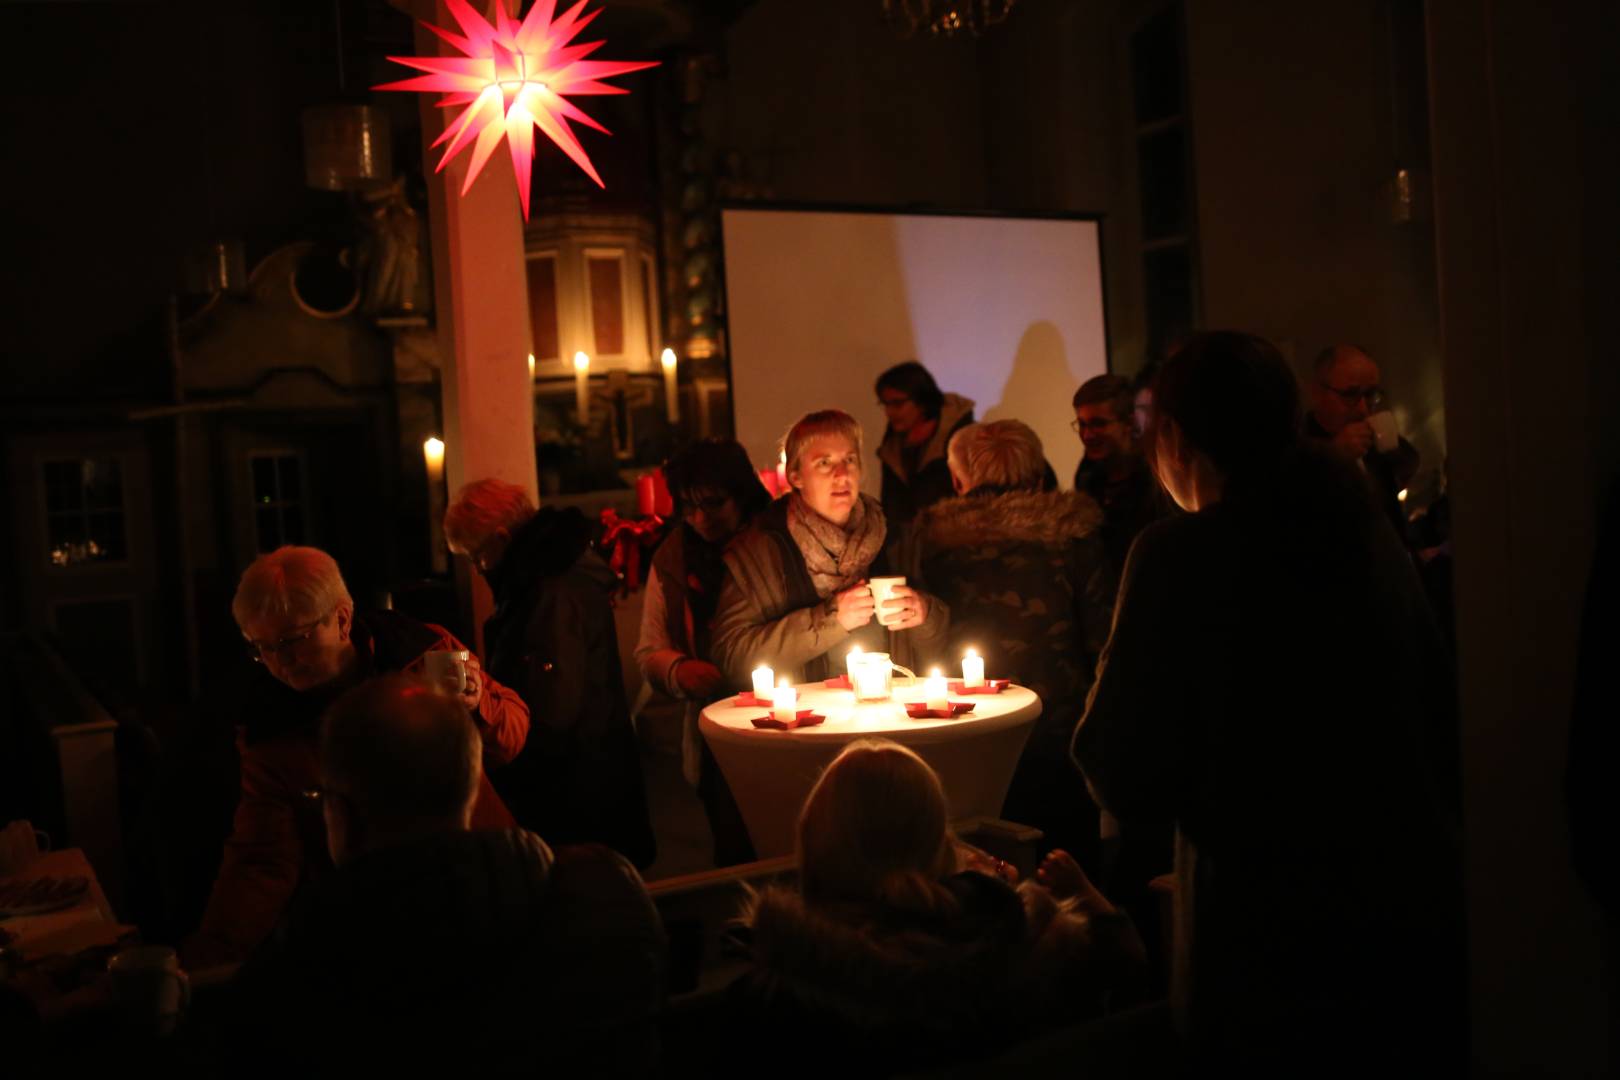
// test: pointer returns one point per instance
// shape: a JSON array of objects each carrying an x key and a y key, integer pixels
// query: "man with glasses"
[
  {"x": 300, "y": 625},
  {"x": 1346, "y": 402},
  {"x": 1112, "y": 470}
]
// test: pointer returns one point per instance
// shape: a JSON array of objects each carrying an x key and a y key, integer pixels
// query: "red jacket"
[{"x": 278, "y": 838}]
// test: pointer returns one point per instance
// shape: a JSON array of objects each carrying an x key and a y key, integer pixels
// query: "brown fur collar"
[
  {"x": 1044, "y": 517},
  {"x": 1003, "y": 952}
]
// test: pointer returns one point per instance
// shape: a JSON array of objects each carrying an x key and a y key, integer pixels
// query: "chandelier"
[{"x": 945, "y": 18}]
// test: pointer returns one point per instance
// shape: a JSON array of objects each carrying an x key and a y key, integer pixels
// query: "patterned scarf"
[{"x": 837, "y": 555}]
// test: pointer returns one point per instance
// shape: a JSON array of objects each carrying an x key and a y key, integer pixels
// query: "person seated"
[
  {"x": 311, "y": 644},
  {"x": 921, "y": 421},
  {"x": 795, "y": 595},
  {"x": 717, "y": 493},
  {"x": 433, "y": 945},
  {"x": 1112, "y": 470},
  {"x": 1029, "y": 588},
  {"x": 552, "y": 638},
  {"x": 892, "y": 955}
]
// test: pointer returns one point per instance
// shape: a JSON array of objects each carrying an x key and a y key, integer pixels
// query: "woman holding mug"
[{"x": 796, "y": 594}]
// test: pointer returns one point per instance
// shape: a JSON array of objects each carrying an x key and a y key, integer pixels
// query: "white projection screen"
[{"x": 1006, "y": 311}]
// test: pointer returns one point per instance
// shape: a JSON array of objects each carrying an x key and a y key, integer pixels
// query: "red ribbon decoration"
[{"x": 625, "y": 539}]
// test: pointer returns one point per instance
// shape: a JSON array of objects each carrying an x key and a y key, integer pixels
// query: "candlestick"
[
  {"x": 582, "y": 387},
  {"x": 784, "y": 702},
  {"x": 646, "y": 496},
  {"x": 852, "y": 664},
  {"x": 935, "y": 693},
  {"x": 531, "y": 367},
  {"x": 764, "y": 679},
  {"x": 663, "y": 500},
  {"x": 972, "y": 670},
  {"x": 433, "y": 457},
  {"x": 672, "y": 397}
]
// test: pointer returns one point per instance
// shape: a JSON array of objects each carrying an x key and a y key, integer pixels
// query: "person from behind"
[
  {"x": 920, "y": 422},
  {"x": 1348, "y": 416},
  {"x": 1030, "y": 589},
  {"x": 553, "y": 639},
  {"x": 432, "y": 944},
  {"x": 796, "y": 594},
  {"x": 310, "y": 644},
  {"x": 1111, "y": 470},
  {"x": 717, "y": 493},
  {"x": 895, "y": 956},
  {"x": 1317, "y": 864}
]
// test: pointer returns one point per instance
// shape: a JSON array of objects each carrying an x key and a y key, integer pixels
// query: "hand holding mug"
[
  {"x": 905, "y": 608},
  {"x": 854, "y": 606}
]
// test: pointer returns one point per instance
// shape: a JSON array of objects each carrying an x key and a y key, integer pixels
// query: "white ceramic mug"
[
  {"x": 446, "y": 669},
  {"x": 872, "y": 676},
  {"x": 151, "y": 990},
  {"x": 882, "y": 590},
  {"x": 1385, "y": 434}
]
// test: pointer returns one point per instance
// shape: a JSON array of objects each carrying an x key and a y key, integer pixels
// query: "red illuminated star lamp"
[{"x": 513, "y": 77}]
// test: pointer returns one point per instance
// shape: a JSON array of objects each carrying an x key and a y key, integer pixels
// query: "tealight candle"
[
  {"x": 852, "y": 664},
  {"x": 784, "y": 702},
  {"x": 934, "y": 692},
  {"x": 972, "y": 670},
  {"x": 764, "y": 679}
]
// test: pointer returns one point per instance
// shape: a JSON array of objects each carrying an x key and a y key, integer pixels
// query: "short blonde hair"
[
  {"x": 482, "y": 507},
  {"x": 1002, "y": 453},
  {"x": 298, "y": 581},
  {"x": 816, "y": 424},
  {"x": 874, "y": 827}
]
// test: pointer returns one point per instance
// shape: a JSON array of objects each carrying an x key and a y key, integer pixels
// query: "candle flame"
[
  {"x": 668, "y": 359},
  {"x": 433, "y": 447},
  {"x": 581, "y": 361}
]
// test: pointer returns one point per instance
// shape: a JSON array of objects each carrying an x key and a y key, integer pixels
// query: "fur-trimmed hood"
[
  {"x": 1004, "y": 957},
  {"x": 1045, "y": 517}
]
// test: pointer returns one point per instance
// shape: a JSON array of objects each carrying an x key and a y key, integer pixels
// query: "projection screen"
[{"x": 1005, "y": 311}]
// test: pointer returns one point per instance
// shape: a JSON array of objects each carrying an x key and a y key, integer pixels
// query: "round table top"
[{"x": 847, "y": 719}]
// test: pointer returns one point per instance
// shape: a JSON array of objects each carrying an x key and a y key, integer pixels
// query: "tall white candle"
[
  {"x": 784, "y": 702},
  {"x": 433, "y": 457},
  {"x": 672, "y": 397},
  {"x": 582, "y": 387},
  {"x": 764, "y": 680},
  {"x": 972, "y": 670},
  {"x": 852, "y": 664},
  {"x": 934, "y": 692}
]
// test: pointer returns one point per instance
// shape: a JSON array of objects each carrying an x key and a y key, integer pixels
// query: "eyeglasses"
[
  {"x": 1082, "y": 426},
  {"x": 260, "y": 651},
  {"x": 708, "y": 504},
  {"x": 893, "y": 402},
  {"x": 1350, "y": 395}
]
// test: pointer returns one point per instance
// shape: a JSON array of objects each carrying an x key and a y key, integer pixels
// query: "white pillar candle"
[
  {"x": 764, "y": 679},
  {"x": 672, "y": 397},
  {"x": 934, "y": 692},
  {"x": 433, "y": 457},
  {"x": 972, "y": 670},
  {"x": 784, "y": 702},
  {"x": 852, "y": 664},
  {"x": 582, "y": 387}
]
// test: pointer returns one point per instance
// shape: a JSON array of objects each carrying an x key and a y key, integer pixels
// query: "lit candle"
[
  {"x": 433, "y": 454},
  {"x": 764, "y": 677},
  {"x": 934, "y": 692},
  {"x": 784, "y": 702},
  {"x": 531, "y": 367},
  {"x": 781, "y": 472},
  {"x": 972, "y": 670},
  {"x": 672, "y": 398},
  {"x": 582, "y": 387},
  {"x": 646, "y": 495},
  {"x": 852, "y": 664}
]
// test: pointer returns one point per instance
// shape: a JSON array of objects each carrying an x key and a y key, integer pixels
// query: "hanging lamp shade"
[{"x": 346, "y": 146}]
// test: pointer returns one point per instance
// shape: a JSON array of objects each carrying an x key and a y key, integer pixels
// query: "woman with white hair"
[
  {"x": 905, "y": 950},
  {"x": 1027, "y": 577},
  {"x": 796, "y": 595},
  {"x": 310, "y": 643}
]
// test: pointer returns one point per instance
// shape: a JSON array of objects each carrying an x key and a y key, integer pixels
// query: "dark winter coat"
[
  {"x": 455, "y": 949},
  {"x": 1030, "y": 588},
  {"x": 907, "y": 491},
  {"x": 867, "y": 990},
  {"x": 1129, "y": 504},
  {"x": 1275, "y": 684},
  {"x": 552, "y": 638}
]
